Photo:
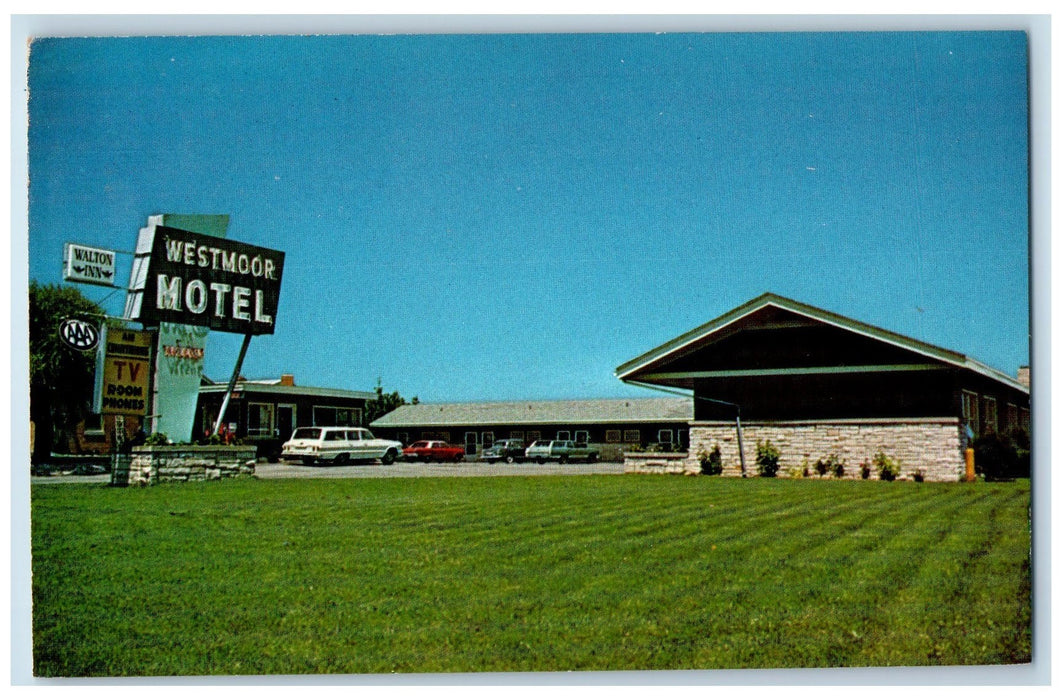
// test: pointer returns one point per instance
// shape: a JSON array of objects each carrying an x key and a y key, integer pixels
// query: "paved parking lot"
[{"x": 379, "y": 471}]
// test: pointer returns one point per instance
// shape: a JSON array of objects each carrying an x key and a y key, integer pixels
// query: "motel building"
[
  {"x": 816, "y": 384},
  {"x": 612, "y": 425},
  {"x": 265, "y": 412}
]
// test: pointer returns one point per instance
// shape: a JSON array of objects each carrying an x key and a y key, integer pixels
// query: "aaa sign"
[{"x": 124, "y": 376}]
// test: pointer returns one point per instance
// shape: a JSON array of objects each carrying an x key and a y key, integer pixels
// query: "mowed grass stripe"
[{"x": 537, "y": 573}]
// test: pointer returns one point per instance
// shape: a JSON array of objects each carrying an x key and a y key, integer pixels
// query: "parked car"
[
  {"x": 338, "y": 445},
  {"x": 508, "y": 450},
  {"x": 560, "y": 450},
  {"x": 428, "y": 450}
]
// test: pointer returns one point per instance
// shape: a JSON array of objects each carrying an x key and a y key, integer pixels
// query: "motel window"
[
  {"x": 970, "y": 415},
  {"x": 564, "y": 435},
  {"x": 435, "y": 435},
  {"x": 94, "y": 424},
  {"x": 259, "y": 419},
  {"x": 488, "y": 440},
  {"x": 665, "y": 435},
  {"x": 582, "y": 436},
  {"x": 991, "y": 415},
  {"x": 684, "y": 439},
  {"x": 632, "y": 436},
  {"x": 336, "y": 415},
  {"x": 516, "y": 434},
  {"x": 533, "y": 435},
  {"x": 613, "y": 436},
  {"x": 403, "y": 438},
  {"x": 1012, "y": 418}
]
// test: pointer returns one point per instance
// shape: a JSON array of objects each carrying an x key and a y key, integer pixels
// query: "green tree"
[
  {"x": 61, "y": 378},
  {"x": 384, "y": 403}
]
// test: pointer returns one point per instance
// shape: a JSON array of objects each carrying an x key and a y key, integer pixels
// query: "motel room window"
[
  {"x": 516, "y": 434},
  {"x": 613, "y": 436},
  {"x": 665, "y": 436},
  {"x": 259, "y": 419},
  {"x": 337, "y": 415},
  {"x": 632, "y": 436},
  {"x": 970, "y": 415},
  {"x": 582, "y": 436},
  {"x": 564, "y": 435},
  {"x": 403, "y": 438},
  {"x": 488, "y": 440},
  {"x": 991, "y": 415},
  {"x": 1012, "y": 418},
  {"x": 533, "y": 435}
]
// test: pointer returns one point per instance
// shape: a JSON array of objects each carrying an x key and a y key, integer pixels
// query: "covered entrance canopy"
[{"x": 779, "y": 359}]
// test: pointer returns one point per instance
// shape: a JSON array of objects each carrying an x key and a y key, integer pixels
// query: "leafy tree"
[
  {"x": 61, "y": 378},
  {"x": 384, "y": 403}
]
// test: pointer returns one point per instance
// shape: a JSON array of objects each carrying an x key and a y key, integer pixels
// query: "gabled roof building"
[{"x": 816, "y": 383}]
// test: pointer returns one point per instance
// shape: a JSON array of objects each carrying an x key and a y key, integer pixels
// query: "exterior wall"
[
  {"x": 152, "y": 465},
  {"x": 929, "y": 445}
]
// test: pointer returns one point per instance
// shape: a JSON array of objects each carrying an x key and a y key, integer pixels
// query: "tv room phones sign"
[{"x": 124, "y": 379}]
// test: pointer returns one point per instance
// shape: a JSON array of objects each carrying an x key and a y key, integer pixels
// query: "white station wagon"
[{"x": 338, "y": 445}]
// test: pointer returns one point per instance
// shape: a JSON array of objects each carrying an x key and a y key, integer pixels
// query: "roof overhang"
[{"x": 646, "y": 368}]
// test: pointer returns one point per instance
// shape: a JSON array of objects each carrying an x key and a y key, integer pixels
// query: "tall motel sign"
[{"x": 182, "y": 284}]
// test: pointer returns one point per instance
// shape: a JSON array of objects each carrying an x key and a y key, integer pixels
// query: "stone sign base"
[{"x": 148, "y": 465}]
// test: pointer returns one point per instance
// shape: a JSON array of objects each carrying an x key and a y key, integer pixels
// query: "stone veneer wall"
[
  {"x": 931, "y": 445},
  {"x": 154, "y": 464}
]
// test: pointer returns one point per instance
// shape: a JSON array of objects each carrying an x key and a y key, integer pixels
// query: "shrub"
[
  {"x": 1001, "y": 457},
  {"x": 919, "y": 476},
  {"x": 767, "y": 459},
  {"x": 864, "y": 470},
  {"x": 830, "y": 465},
  {"x": 157, "y": 439},
  {"x": 711, "y": 462},
  {"x": 888, "y": 468}
]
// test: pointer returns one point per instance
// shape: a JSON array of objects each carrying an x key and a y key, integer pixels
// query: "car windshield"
[{"x": 306, "y": 434}]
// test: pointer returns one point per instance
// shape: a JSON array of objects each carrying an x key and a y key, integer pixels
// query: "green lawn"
[{"x": 526, "y": 574}]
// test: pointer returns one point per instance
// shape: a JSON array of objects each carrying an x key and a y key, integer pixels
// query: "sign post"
[{"x": 232, "y": 383}]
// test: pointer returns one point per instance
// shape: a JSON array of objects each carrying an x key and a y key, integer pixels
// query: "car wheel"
[
  {"x": 541, "y": 460},
  {"x": 458, "y": 458},
  {"x": 592, "y": 458},
  {"x": 509, "y": 459},
  {"x": 388, "y": 458},
  {"x": 564, "y": 459}
]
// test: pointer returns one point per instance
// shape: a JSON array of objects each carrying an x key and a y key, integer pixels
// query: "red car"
[{"x": 427, "y": 450}]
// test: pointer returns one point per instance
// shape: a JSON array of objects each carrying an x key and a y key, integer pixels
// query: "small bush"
[
  {"x": 888, "y": 468},
  {"x": 830, "y": 465},
  {"x": 767, "y": 459},
  {"x": 919, "y": 476},
  {"x": 1001, "y": 457},
  {"x": 864, "y": 470},
  {"x": 157, "y": 439},
  {"x": 711, "y": 462}
]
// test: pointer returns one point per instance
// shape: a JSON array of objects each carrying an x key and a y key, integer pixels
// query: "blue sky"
[{"x": 491, "y": 217}]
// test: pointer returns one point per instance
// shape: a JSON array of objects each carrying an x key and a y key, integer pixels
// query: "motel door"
[
  {"x": 470, "y": 443},
  {"x": 285, "y": 420}
]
